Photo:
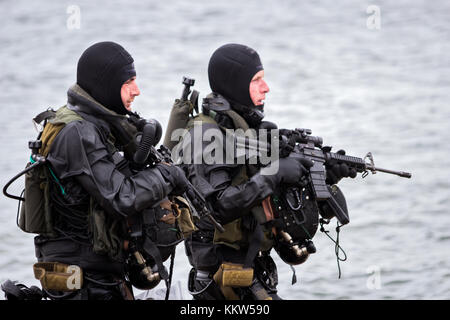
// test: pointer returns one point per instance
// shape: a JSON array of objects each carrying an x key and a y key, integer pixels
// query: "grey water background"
[{"x": 383, "y": 90}]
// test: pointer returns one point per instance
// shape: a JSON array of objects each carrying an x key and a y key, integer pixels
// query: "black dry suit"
[
  {"x": 93, "y": 192},
  {"x": 235, "y": 192}
]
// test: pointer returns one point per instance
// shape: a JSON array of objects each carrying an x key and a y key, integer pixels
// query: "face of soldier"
[
  {"x": 128, "y": 92},
  {"x": 258, "y": 88}
]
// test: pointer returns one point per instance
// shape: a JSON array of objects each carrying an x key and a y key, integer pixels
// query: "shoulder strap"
[
  {"x": 56, "y": 122},
  {"x": 64, "y": 116},
  {"x": 202, "y": 118}
]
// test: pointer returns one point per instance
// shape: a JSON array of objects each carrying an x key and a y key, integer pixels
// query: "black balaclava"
[
  {"x": 230, "y": 70},
  {"x": 102, "y": 70}
]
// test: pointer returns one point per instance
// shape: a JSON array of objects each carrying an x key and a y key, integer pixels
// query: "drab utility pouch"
[
  {"x": 184, "y": 218},
  {"x": 107, "y": 232},
  {"x": 35, "y": 213},
  {"x": 58, "y": 276},
  {"x": 232, "y": 236},
  {"x": 233, "y": 275}
]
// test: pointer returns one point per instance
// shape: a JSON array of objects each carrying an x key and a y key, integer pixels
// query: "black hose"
[{"x": 17, "y": 176}]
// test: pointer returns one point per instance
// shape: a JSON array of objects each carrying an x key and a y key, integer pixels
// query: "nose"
[
  {"x": 265, "y": 87},
  {"x": 135, "y": 89}
]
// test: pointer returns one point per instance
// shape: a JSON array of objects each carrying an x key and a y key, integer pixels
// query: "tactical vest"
[
  {"x": 235, "y": 236},
  {"x": 36, "y": 213}
]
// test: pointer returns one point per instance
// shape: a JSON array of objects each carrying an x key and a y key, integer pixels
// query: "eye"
[{"x": 129, "y": 81}]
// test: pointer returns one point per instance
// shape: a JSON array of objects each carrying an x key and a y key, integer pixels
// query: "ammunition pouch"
[
  {"x": 232, "y": 236},
  {"x": 184, "y": 219},
  {"x": 232, "y": 275},
  {"x": 107, "y": 233},
  {"x": 58, "y": 276},
  {"x": 60, "y": 281}
]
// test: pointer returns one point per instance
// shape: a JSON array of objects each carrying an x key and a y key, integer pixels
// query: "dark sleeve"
[
  {"x": 234, "y": 201},
  {"x": 78, "y": 151},
  {"x": 215, "y": 182}
]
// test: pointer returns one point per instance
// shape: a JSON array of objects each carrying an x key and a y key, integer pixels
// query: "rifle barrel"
[{"x": 402, "y": 174}]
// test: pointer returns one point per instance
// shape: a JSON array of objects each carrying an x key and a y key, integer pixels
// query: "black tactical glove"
[
  {"x": 175, "y": 176},
  {"x": 336, "y": 171},
  {"x": 292, "y": 169}
]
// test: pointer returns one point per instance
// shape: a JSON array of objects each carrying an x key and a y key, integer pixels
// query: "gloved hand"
[
  {"x": 175, "y": 176},
  {"x": 336, "y": 171},
  {"x": 292, "y": 169}
]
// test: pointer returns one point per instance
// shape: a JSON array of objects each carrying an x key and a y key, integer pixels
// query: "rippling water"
[{"x": 381, "y": 90}]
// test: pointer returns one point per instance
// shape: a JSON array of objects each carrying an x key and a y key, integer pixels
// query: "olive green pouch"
[
  {"x": 232, "y": 236},
  {"x": 184, "y": 219},
  {"x": 58, "y": 276},
  {"x": 106, "y": 233},
  {"x": 35, "y": 212}
]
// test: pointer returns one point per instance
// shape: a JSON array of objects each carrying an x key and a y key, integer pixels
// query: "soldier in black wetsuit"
[
  {"x": 93, "y": 191},
  {"x": 235, "y": 191}
]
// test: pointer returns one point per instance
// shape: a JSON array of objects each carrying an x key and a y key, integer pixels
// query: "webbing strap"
[{"x": 255, "y": 244}]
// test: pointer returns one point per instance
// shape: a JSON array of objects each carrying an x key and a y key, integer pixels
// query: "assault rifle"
[{"x": 300, "y": 143}]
